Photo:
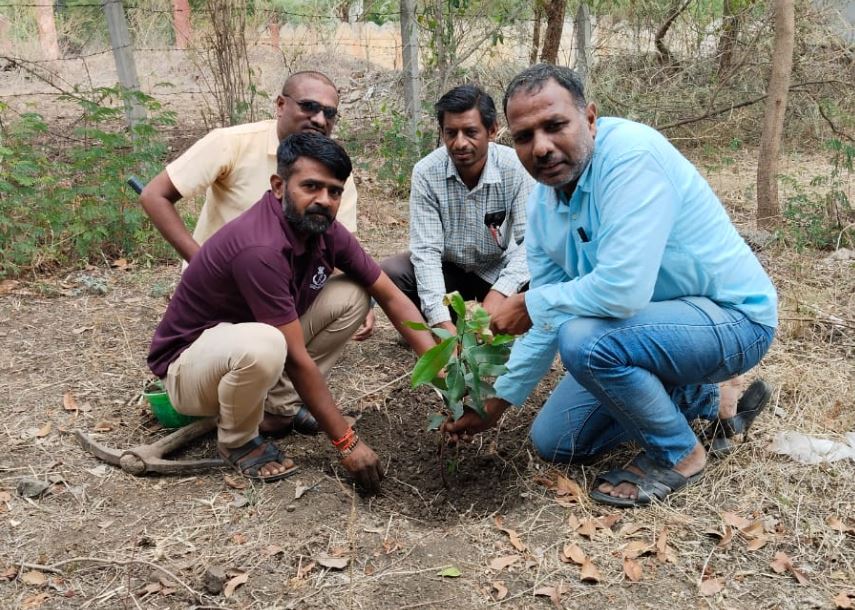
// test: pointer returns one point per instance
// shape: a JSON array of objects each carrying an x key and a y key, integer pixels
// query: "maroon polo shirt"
[{"x": 254, "y": 270}]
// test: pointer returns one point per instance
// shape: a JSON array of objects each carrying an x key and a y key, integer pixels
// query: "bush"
[{"x": 63, "y": 198}]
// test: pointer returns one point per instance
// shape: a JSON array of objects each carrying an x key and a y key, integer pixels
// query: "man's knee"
[
  {"x": 580, "y": 345},
  {"x": 555, "y": 444},
  {"x": 261, "y": 350}
]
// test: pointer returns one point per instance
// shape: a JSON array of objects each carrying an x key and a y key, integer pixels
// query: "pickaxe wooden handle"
[{"x": 144, "y": 459}]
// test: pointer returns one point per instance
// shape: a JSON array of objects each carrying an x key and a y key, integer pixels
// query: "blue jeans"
[{"x": 645, "y": 378}]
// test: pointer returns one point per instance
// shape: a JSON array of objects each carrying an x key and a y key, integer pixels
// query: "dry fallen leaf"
[
  {"x": 590, "y": 573},
  {"x": 637, "y": 548},
  {"x": 711, "y": 586},
  {"x": 234, "y": 583},
  {"x": 333, "y": 563},
  {"x": 104, "y": 426},
  {"x": 573, "y": 522},
  {"x": 755, "y": 528},
  {"x": 567, "y": 491},
  {"x": 757, "y": 543},
  {"x": 609, "y": 521},
  {"x": 835, "y": 523},
  {"x": 574, "y": 554},
  {"x": 235, "y": 483},
  {"x": 553, "y": 593},
  {"x": 7, "y": 286},
  {"x": 69, "y": 403},
  {"x": 303, "y": 570},
  {"x": 512, "y": 535},
  {"x": 500, "y": 563},
  {"x": 632, "y": 569},
  {"x": 44, "y": 430},
  {"x": 239, "y": 538},
  {"x": 34, "y": 601},
  {"x": 119, "y": 263},
  {"x": 587, "y": 528},
  {"x": 735, "y": 520},
  {"x": 628, "y": 529},
  {"x": 844, "y": 601},
  {"x": 663, "y": 551},
  {"x": 8, "y": 573},
  {"x": 782, "y": 563},
  {"x": 5, "y": 496},
  {"x": 501, "y": 589},
  {"x": 271, "y": 549},
  {"x": 34, "y": 578}
]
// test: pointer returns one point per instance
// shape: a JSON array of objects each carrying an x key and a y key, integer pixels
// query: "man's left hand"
[
  {"x": 367, "y": 328},
  {"x": 472, "y": 423},
  {"x": 511, "y": 317}
]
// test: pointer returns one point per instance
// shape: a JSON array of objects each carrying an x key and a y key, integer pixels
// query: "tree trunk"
[
  {"x": 768, "y": 210},
  {"x": 554, "y": 26},
  {"x": 535, "y": 37},
  {"x": 181, "y": 23},
  {"x": 5, "y": 35},
  {"x": 582, "y": 29},
  {"x": 662, "y": 53},
  {"x": 273, "y": 30},
  {"x": 47, "y": 29},
  {"x": 730, "y": 23}
]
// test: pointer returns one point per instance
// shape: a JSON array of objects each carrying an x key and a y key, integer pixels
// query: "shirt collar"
[
  {"x": 273, "y": 139},
  {"x": 489, "y": 175}
]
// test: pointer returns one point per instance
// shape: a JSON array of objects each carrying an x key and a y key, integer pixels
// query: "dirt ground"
[{"x": 505, "y": 530}]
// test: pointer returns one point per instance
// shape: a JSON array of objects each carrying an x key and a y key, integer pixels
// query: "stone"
[
  {"x": 31, "y": 488},
  {"x": 215, "y": 579}
]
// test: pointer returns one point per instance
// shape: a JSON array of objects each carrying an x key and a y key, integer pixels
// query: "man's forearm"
[{"x": 166, "y": 219}]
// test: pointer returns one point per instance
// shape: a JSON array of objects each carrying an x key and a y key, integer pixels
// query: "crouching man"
[{"x": 258, "y": 314}]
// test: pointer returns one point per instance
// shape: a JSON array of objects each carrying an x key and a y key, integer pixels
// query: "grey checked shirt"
[{"x": 447, "y": 224}]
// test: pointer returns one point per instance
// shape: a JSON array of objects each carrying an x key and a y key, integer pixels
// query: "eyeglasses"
[{"x": 311, "y": 108}]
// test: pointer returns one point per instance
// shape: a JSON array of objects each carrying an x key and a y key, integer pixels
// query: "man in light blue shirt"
[{"x": 638, "y": 280}]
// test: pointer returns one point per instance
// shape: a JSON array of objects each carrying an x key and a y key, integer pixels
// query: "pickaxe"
[{"x": 144, "y": 459}]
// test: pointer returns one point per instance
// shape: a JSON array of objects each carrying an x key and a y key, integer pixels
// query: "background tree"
[
  {"x": 768, "y": 208},
  {"x": 554, "y": 10},
  {"x": 181, "y": 23},
  {"x": 47, "y": 29}
]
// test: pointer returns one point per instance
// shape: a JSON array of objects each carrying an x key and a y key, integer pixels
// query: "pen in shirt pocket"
[{"x": 582, "y": 235}]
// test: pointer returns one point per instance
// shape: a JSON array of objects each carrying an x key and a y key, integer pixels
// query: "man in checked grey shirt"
[{"x": 467, "y": 213}]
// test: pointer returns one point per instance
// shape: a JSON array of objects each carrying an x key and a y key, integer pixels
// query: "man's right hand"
[
  {"x": 364, "y": 465},
  {"x": 472, "y": 423}
]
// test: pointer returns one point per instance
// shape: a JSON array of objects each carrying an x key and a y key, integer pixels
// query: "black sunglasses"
[{"x": 311, "y": 108}]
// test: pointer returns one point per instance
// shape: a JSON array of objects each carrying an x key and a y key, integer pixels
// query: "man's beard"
[{"x": 314, "y": 221}]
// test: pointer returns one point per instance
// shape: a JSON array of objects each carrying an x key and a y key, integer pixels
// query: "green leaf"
[
  {"x": 432, "y": 362},
  {"x": 435, "y": 421},
  {"x": 502, "y": 339},
  {"x": 481, "y": 319},
  {"x": 442, "y": 333},
  {"x": 416, "y": 325},
  {"x": 457, "y": 304},
  {"x": 455, "y": 382},
  {"x": 450, "y": 572}
]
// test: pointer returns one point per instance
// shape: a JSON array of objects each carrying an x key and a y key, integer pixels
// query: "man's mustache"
[{"x": 316, "y": 209}]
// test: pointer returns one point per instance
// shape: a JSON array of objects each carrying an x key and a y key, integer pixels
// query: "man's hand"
[
  {"x": 511, "y": 317},
  {"x": 472, "y": 423},
  {"x": 367, "y": 328},
  {"x": 364, "y": 465},
  {"x": 493, "y": 301}
]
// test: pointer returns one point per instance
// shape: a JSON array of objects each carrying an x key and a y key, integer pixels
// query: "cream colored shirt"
[{"x": 233, "y": 165}]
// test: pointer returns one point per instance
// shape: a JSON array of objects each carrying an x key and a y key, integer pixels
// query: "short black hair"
[
  {"x": 467, "y": 97},
  {"x": 532, "y": 80},
  {"x": 310, "y": 74},
  {"x": 316, "y": 146}
]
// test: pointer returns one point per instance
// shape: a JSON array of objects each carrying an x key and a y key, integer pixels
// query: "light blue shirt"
[{"x": 642, "y": 226}]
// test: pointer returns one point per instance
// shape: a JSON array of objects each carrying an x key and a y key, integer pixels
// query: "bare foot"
[
  {"x": 729, "y": 393},
  {"x": 690, "y": 465}
]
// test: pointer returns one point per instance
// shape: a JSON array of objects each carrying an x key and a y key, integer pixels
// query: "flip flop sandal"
[
  {"x": 302, "y": 422},
  {"x": 750, "y": 405},
  {"x": 249, "y": 467},
  {"x": 655, "y": 484}
]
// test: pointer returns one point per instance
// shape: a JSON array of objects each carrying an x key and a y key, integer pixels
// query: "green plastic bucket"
[{"x": 163, "y": 410}]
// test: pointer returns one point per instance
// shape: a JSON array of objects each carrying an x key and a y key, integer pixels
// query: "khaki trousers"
[{"x": 236, "y": 371}]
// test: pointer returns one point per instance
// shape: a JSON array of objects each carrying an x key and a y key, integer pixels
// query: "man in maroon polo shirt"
[{"x": 253, "y": 314}]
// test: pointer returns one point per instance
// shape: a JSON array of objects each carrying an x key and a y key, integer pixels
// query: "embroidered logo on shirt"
[{"x": 319, "y": 279}]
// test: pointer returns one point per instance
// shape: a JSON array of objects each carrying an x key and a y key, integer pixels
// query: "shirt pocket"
[
  {"x": 498, "y": 218},
  {"x": 589, "y": 254}
]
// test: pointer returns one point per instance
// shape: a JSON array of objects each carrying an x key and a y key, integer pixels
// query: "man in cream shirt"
[{"x": 233, "y": 166}]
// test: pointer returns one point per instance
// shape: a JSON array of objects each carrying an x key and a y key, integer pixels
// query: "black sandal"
[
  {"x": 750, "y": 404},
  {"x": 655, "y": 483},
  {"x": 239, "y": 458}
]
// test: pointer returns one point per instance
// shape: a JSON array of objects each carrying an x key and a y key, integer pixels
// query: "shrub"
[{"x": 63, "y": 199}]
